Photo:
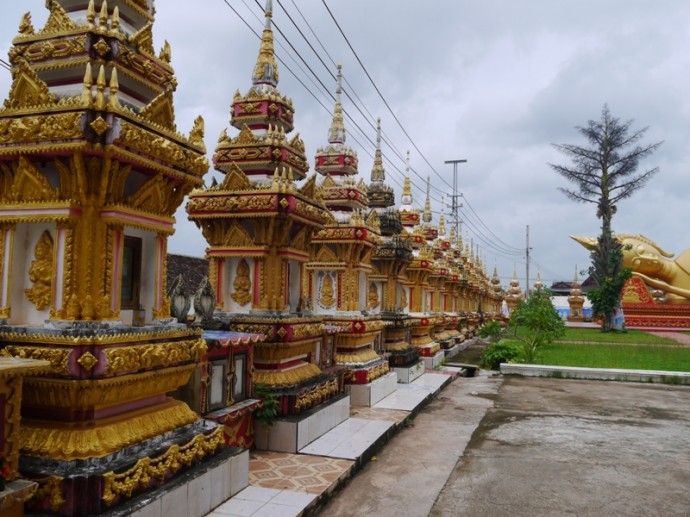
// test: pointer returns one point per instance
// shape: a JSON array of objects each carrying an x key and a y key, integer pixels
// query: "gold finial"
[
  {"x": 100, "y": 90},
  {"x": 113, "y": 100},
  {"x": 266, "y": 69},
  {"x": 406, "y": 198},
  {"x": 165, "y": 53},
  {"x": 453, "y": 235},
  {"x": 86, "y": 96},
  {"x": 407, "y": 187},
  {"x": 91, "y": 13},
  {"x": 427, "y": 204},
  {"x": 103, "y": 17},
  {"x": 115, "y": 25},
  {"x": 336, "y": 134},
  {"x": 442, "y": 226}
]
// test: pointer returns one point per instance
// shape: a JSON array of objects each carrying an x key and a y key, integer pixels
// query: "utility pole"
[
  {"x": 455, "y": 206},
  {"x": 527, "y": 248}
]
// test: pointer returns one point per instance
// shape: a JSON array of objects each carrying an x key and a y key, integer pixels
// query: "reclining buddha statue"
[{"x": 654, "y": 266}]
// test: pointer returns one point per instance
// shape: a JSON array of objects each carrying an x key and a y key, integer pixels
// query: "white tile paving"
[
  {"x": 406, "y": 397},
  {"x": 256, "y": 501},
  {"x": 350, "y": 439},
  {"x": 432, "y": 381}
]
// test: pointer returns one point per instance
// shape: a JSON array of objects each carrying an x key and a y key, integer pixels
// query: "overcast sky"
[{"x": 493, "y": 82}]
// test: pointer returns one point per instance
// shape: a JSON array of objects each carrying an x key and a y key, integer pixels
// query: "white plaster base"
[
  {"x": 410, "y": 373},
  {"x": 452, "y": 351},
  {"x": 292, "y": 434},
  {"x": 199, "y": 495},
  {"x": 432, "y": 362},
  {"x": 375, "y": 391}
]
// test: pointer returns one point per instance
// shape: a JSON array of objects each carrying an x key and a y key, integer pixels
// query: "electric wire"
[{"x": 475, "y": 230}]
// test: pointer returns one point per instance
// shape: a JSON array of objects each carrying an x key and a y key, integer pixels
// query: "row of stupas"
[{"x": 344, "y": 289}]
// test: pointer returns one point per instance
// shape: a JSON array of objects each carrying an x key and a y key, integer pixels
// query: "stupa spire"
[
  {"x": 406, "y": 198},
  {"x": 336, "y": 134},
  {"x": 378, "y": 174},
  {"x": 266, "y": 69},
  {"x": 427, "y": 204}
]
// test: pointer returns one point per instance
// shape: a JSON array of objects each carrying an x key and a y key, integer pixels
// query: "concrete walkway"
[{"x": 490, "y": 446}]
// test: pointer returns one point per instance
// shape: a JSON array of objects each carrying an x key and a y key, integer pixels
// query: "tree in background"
[
  {"x": 605, "y": 172},
  {"x": 535, "y": 323}
]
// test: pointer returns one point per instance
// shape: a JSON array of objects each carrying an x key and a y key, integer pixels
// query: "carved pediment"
[
  {"x": 26, "y": 183},
  {"x": 28, "y": 89},
  {"x": 326, "y": 255},
  {"x": 309, "y": 188},
  {"x": 245, "y": 137},
  {"x": 238, "y": 237},
  {"x": 143, "y": 39},
  {"x": 299, "y": 241},
  {"x": 373, "y": 220},
  {"x": 58, "y": 21},
  {"x": 328, "y": 182},
  {"x": 235, "y": 179},
  {"x": 161, "y": 110},
  {"x": 152, "y": 196}
]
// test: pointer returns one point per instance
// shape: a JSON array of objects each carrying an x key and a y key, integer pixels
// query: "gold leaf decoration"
[
  {"x": 152, "y": 196},
  {"x": 327, "y": 298},
  {"x": 245, "y": 137},
  {"x": 143, "y": 39},
  {"x": 235, "y": 179},
  {"x": 196, "y": 135},
  {"x": 238, "y": 237},
  {"x": 161, "y": 110},
  {"x": 58, "y": 21},
  {"x": 326, "y": 254},
  {"x": 242, "y": 283},
  {"x": 28, "y": 89},
  {"x": 41, "y": 272},
  {"x": 30, "y": 185},
  {"x": 309, "y": 188}
]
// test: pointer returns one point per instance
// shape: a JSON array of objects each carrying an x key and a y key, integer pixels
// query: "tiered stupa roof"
[
  {"x": 264, "y": 117},
  {"x": 338, "y": 163}
]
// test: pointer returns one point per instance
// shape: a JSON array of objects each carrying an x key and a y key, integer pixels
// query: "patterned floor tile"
[{"x": 300, "y": 473}]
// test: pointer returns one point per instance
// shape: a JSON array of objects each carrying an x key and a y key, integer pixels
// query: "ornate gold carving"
[
  {"x": 25, "y": 27},
  {"x": 87, "y": 361},
  {"x": 235, "y": 180},
  {"x": 146, "y": 470},
  {"x": 373, "y": 298},
  {"x": 58, "y": 357},
  {"x": 196, "y": 135},
  {"x": 85, "y": 394},
  {"x": 41, "y": 272},
  {"x": 287, "y": 378},
  {"x": 238, "y": 237},
  {"x": 326, "y": 298},
  {"x": 25, "y": 183},
  {"x": 73, "y": 442},
  {"x": 242, "y": 283},
  {"x": 16, "y": 131},
  {"x": 317, "y": 395},
  {"x": 58, "y": 21},
  {"x": 155, "y": 197},
  {"x": 161, "y": 110},
  {"x": 100, "y": 126},
  {"x": 124, "y": 359},
  {"x": 326, "y": 255},
  {"x": 28, "y": 90},
  {"x": 143, "y": 39},
  {"x": 49, "y": 487}
]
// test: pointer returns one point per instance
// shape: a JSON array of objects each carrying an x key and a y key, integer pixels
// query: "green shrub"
[
  {"x": 492, "y": 330},
  {"x": 500, "y": 352}
]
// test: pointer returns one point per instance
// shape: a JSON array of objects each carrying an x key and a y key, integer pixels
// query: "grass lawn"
[
  {"x": 648, "y": 357},
  {"x": 631, "y": 337}
]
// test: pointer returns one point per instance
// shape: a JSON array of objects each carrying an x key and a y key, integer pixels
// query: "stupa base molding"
[
  {"x": 195, "y": 492},
  {"x": 366, "y": 373},
  {"x": 97, "y": 485},
  {"x": 298, "y": 398},
  {"x": 291, "y": 434},
  {"x": 371, "y": 393},
  {"x": 434, "y": 361},
  {"x": 453, "y": 350},
  {"x": 671, "y": 316},
  {"x": 407, "y": 374}
]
